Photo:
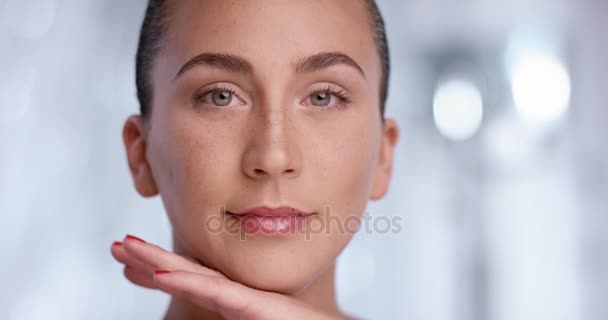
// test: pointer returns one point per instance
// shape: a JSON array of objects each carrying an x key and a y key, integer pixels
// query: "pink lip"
[
  {"x": 271, "y": 212},
  {"x": 271, "y": 221}
]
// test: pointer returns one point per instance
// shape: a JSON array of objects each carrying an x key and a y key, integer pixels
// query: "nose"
[{"x": 272, "y": 151}]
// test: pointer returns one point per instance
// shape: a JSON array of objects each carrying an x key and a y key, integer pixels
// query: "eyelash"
[
  {"x": 198, "y": 97},
  {"x": 343, "y": 97}
]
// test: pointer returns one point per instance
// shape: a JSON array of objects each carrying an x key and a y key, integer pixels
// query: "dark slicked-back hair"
[{"x": 152, "y": 41}]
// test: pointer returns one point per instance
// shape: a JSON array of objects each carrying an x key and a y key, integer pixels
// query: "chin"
[
  {"x": 284, "y": 267},
  {"x": 272, "y": 280}
]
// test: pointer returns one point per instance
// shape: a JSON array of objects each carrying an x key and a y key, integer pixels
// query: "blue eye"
[
  {"x": 219, "y": 97},
  {"x": 321, "y": 99},
  {"x": 329, "y": 97}
]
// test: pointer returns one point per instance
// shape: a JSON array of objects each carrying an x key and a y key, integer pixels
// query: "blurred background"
[{"x": 501, "y": 177}]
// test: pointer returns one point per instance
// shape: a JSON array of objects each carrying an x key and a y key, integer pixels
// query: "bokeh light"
[
  {"x": 458, "y": 109},
  {"x": 540, "y": 80},
  {"x": 541, "y": 88}
]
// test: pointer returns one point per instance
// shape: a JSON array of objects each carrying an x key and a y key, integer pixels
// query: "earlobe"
[
  {"x": 134, "y": 139},
  {"x": 383, "y": 173}
]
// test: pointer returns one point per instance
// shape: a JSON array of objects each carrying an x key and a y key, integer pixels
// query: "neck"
[{"x": 319, "y": 294}]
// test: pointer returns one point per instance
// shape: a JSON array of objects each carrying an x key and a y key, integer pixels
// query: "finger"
[
  {"x": 158, "y": 258},
  {"x": 139, "y": 277},
  {"x": 120, "y": 254},
  {"x": 232, "y": 299},
  {"x": 217, "y": 294},
  {"x": 134, "y": 270}
]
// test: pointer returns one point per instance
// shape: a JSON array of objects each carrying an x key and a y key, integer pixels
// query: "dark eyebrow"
[
  {"x": 236, "y": 64},
  {"x": 223, "y": 61},
  {"x": 324, "y": 60}
]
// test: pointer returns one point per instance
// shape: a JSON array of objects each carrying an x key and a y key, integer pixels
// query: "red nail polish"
[
  {"x": 117, "y": 243},
  {"x": 161, "y": 271},
  {"x": 135, "y": 238}
]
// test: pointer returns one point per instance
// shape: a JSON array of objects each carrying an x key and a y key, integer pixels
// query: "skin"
[{"x": 271, "y": 146}]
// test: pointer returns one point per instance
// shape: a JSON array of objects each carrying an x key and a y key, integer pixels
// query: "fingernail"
[
  {"x": 161, "y": 271},
  {"x": 117, "y": 243},
  {"x": 135, "y": 238}
]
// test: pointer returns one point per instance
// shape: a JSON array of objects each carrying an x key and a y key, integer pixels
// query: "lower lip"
[{"x": 271, "y": 225}]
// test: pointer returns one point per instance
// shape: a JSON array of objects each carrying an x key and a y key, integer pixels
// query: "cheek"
[
  {"x": 190, "y": 168},
  {"x": 347, "y": 167}
]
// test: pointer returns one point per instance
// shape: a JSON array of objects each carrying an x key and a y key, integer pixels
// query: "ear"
[
  {"x": 383, "y": 172},
  {"x": 134, "y": 138}
]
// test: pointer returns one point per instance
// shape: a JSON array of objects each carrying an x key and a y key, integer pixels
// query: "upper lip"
[{"x": 268, "y": 211}]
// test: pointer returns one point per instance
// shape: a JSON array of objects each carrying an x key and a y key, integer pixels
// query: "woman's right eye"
[
  {"x": 221, "y": 98},
  {"x": 218, "y": 97}
]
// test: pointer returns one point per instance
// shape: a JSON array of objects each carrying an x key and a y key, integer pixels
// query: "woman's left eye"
[
  {"x": 321, "y": 99},
  {"x": 329, "y": 98}
]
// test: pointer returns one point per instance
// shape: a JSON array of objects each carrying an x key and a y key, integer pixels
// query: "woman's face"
[{"x": 254, "y": 121}]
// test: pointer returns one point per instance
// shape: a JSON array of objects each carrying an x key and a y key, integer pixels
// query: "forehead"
[{"x": 270, "y": 34}]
